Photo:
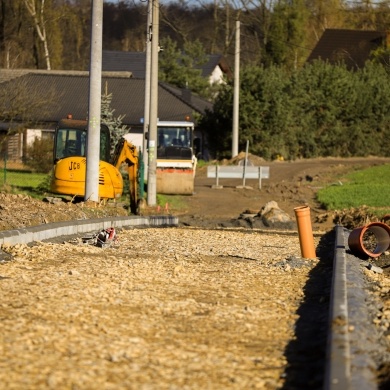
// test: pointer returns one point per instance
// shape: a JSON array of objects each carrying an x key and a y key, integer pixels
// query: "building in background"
[
  {"x": 352, "y": 47},
  {"x": 67, "y": 92},
  {"x": 215, "y": 69}
]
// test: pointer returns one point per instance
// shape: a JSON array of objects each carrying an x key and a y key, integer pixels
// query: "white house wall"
[
  {"x": 216, "y": 76},
  {"x": 31, "y": 134}
]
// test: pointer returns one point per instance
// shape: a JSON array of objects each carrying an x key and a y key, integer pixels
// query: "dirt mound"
[
  {"x": 240, "y": 160},
  {"x": 19, "y": 211}
]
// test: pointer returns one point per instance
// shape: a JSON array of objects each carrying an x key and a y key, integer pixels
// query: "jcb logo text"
[{"x": 74, "y": 165}]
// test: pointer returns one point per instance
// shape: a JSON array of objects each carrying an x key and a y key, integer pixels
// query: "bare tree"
[
  {"x": 21, "y": 101},
  {"x": 23, "y": 104},
  {"x": 39, "y": 25},
  {"x": 172, "y": 15}
]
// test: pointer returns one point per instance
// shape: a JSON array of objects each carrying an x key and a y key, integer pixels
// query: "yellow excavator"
[{"x": 69, "y": 171}]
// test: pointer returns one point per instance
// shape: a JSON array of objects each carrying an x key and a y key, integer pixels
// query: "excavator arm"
[{"x": 126, "y": 153}]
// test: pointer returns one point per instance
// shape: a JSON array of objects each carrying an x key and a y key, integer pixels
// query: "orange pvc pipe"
[
  {"x": 380, "y": 230},
  {"x": 306, "y": 239}
]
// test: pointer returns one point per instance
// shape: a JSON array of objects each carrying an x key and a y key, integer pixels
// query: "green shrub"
[
  {"x": 39, "y": 155},
  {"x": 318, "y": 110}
]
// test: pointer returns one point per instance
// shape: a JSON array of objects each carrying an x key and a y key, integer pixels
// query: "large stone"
[
  {"x": 273, "y": 216},
  {"x": 268, "y": 207}
]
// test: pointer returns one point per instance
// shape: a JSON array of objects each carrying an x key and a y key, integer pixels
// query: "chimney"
[{"x": 186, "y": 95}]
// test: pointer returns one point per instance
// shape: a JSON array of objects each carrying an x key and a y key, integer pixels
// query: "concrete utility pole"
[
  {"x": 152, "y": 166},
  {"x": 235, "y": 136},
  {"x": 94, "y": 110},
  {"x": 147, "y": 89}
]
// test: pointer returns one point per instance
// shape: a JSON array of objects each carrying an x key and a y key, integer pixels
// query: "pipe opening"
[
  {"x": 375, "y": 240},
  {"x": 371, "y": 240}
]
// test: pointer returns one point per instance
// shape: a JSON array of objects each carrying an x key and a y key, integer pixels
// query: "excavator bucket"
[{"x": 173, "y": 181}]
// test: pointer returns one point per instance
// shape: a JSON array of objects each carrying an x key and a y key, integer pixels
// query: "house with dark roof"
[
  {"x": 352, "y": 47},
  {"x": 67, "y": 92},
  {"x": 215, "y": 69}
]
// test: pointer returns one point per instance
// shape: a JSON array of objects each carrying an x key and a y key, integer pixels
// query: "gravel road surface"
[{"x": 173, "y": 308}]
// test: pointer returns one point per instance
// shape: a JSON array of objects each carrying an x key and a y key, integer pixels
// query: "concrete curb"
[
  {"x": 338, "y": 372},
  {"x": 349, "y": 365},
  {"x": 57, "y": 229}
]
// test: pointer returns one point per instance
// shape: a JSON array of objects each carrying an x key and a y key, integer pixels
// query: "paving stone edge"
[{"x": 57, "y": 229}]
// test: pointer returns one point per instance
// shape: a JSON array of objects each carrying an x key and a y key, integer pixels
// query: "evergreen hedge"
[{"x": 319, "y": 110}]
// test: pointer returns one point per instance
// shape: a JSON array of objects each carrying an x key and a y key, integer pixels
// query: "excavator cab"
[{"x": 71, "y": 140}]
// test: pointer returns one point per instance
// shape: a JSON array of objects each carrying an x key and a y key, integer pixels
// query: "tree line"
[
  {"x": 287, "y": 107},
  {"x": 55, "y": 34}
]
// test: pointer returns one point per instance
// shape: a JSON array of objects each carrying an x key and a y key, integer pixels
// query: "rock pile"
[{"x": 270, "y": 216}]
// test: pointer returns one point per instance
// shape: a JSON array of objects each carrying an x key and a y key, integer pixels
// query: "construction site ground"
[
  {"x": 291, "y": 184},
  {"x": 177, "y": 308}
]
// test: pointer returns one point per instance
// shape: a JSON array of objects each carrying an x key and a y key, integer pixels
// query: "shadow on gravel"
[
  {"x": 307, "y": 353},
  {"x": 384, "y": 377}
]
